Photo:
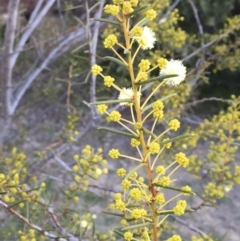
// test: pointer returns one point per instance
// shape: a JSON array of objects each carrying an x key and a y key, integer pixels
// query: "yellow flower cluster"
[
  {"x": 117, "y": 196},
  {"x": 135, "y": 142},
  {"x": 101, "y": 109},
  {"x": 158, "y": 109},
  {"x": 214, "y": 191},
  {"x": 144, "y": 65},
  {"x": 110, "y": 41},
  {"x": 126, "y": 184},
  {"x": 30, "y": 236},
  {"x": 160, "y": 199},
  {"x": 158, "y": 105},
  {"x": 137, "y": 31},
  {"x": 108, "y": 81},
  {"x": 162, "y": 62},
  {"x": 114, "y": 153},
  {"x": 115, "y": 116},
  {"x": 128, "y": 236},
  {"x": 96, "y": 69},
  {"x": 167, "y": 145},
  {"x": 151, "y": 14},
  {"x": 111, "y": 9},
  {"x": 138, "y": 125},
  {"x": 181, "y": 159},
  {"x": 160, "y": 170},
  {"x": 180, "y": 207},
  {"x": 121, "y": 172},
  {"x": 138, "y": 213},
  {"x": 134, "y": 3},
  {"x": 120, "y": 205},
  {"x": 124, "y": 222},
  {"x": 136, "y": 194},
  {"x": 127, "y": 8},
  {"x": 187, "y": 190},
  {"x": 165, "y": 181},
  {"x": 174, "y": 124},
  {"x": 142, "y": 75},
  {"x": 175, "y": 238},
  {"x": 154, "y": 148}
]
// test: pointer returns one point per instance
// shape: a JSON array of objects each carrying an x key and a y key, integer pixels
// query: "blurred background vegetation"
[{"x": 53, "y": 122}]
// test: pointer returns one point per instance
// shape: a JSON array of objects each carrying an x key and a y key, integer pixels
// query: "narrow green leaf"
[
  {"x": 105, "y": 20},
  {"x": 115, "y": 60},
  {"x": 134, "y": 169},
  {"x": 149, "y": 132},
  {"x": 136, "y": 226},
  {"x": 110, "y": 101},
  {"x": 173, "y": 188},
  {"x": 118, "y": 232},
  {"x": 158, "y": 78},
  {"x": 177, "y": 138},
  {"x": 161, "y": 99},
  {"x": 143, "y": 23},
  {"x": 138, "y": 10},
  {"x": 118, "y": 132},
  {"x": 171, "y": 212},
  {"x": 16, "y": 203},
  {"x": 112, "y": 213}
]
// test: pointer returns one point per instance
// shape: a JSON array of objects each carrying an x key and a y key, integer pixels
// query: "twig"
[
  {"x": 208, "y": 99},
  {"x": 77, "y": 34},
  {"x": 32, "y": 225},
  {"x": 200, "y": 30},
  {"x": 189, "y": 225},
  {"x": 93, "y": 41},
  {"x": 210, "y": 43},
  {"x": 168, "y": 11},
  {"x": 32, "y": 26},
  {"x": 57, "y": 152},
  {"x": 8, "y": 52},
  {"x": 8, "y": 66}
]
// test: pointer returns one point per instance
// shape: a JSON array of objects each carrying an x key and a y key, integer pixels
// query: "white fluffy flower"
[
  {"x": 147, "y": 40},
  {"x": 127, "y": 93},
  {"x": 84, "y": 224},
  {"x": 174, "y": 67}
]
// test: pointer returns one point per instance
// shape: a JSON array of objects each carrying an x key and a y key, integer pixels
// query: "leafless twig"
[
  {"x": 8, "y": 66},
  {"x": 34, "y": 226},
  {"x": 208, "y": 99},
  {"x": 189, "y": 225},
  {"x": 93, "y": 41}
]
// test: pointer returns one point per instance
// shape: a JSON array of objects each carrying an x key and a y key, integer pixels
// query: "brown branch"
[{"x": 30, "y": 223}]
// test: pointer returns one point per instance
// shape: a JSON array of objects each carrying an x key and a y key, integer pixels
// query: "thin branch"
[
  {"x": 200, "y": 27},
  {"x": 8, "y": 55},
  {"x": 93, "y": 41},
  {"x": 77, "y": 34},
  {"x": 57, "y": 152},
  {"x": 210, "y": 43},
  {"x": 32, "y": 26},
  {"x": 208, "y": 99},
  {"x": 189, "y": 225},
  {"x": 7, "y": 66},
  {"x": 32, "y": 225},
  {"x": 200, "y": 30},
  {"x": 164, "y": 17},
  {"x": 35, "y": 11}
]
